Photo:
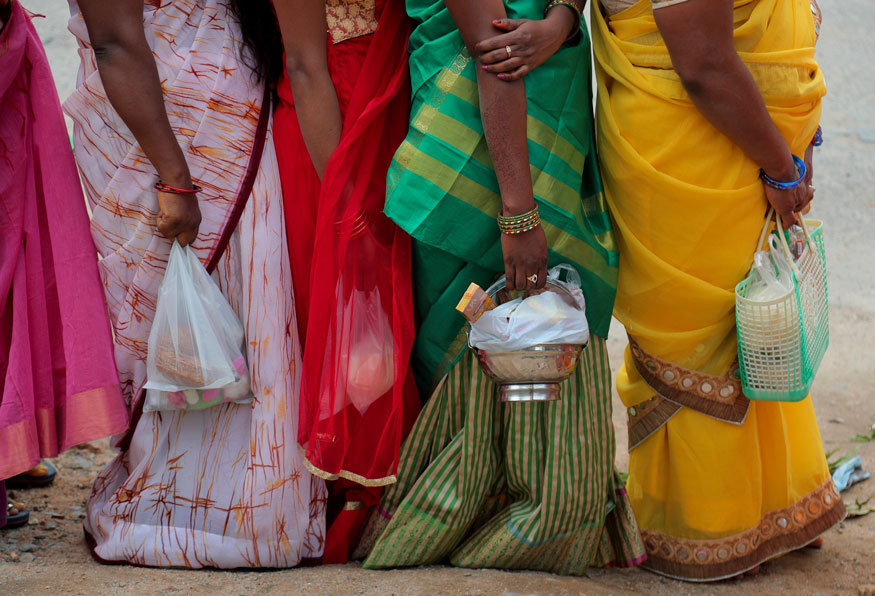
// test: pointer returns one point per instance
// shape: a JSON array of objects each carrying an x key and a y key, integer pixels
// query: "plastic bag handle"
[{"x": 783, "y": 239}]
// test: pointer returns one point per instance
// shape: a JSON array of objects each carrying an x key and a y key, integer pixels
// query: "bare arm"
[
  {"x": 698, "y": 35},
  {"x": 302, "y": 23},
  {"x": 130, "y": 78},
  {"x": 503, "y": 111}
]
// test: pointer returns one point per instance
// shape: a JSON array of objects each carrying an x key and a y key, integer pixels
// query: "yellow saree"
[{"x": 718, "y": 483}]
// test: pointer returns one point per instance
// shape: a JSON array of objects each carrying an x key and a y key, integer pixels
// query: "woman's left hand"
[{"x": 531, "y": 43}]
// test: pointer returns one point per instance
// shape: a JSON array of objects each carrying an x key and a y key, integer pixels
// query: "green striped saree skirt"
[{"x": 510, "y": 486}]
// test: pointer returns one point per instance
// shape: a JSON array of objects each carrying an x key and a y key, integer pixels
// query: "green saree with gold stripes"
[{"x": 480, "y": 483}]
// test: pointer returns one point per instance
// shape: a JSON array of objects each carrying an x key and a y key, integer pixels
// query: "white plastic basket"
[{"x": 781, "y": 342}]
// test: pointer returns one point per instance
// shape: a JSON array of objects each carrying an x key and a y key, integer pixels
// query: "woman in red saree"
[{"x": 343, "y": 111}]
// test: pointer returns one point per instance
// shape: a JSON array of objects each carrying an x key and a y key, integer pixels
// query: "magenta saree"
[{"x": 58, "y": 380}]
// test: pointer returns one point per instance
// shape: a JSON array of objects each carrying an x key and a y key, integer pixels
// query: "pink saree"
[
  {"x": 223, "y": 487},
  {"x": 58, "y": 381}
]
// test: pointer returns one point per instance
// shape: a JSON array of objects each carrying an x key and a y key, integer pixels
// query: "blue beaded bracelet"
[
  {"x": 800, "y": 169},
  {"x": 817, "y": 141}
]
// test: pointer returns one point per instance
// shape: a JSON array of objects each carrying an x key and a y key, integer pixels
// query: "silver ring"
[
  {"x": 508, "y": 50},
  {"x": 533, "y": 278}
]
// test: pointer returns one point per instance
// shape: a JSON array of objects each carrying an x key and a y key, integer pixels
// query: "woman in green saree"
[{"x": 480, "y": 483}]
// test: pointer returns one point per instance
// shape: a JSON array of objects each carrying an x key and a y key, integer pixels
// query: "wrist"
[
  {"x": 563, "y": 20},
  {"x": 178, "y": 178},
  {"x": 783, "y": 170},
  {"x": 564, "y": 10},
  {"x": 512, "y": 209}
]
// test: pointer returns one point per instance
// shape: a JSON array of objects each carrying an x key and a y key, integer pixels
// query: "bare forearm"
[
  {"x": 130, "y": 79},
  {"x": 502, "y": 108},
  {"x": 700, "y": 40},
  {"x": 730, "y": 100},
  {"x": 503, "y": 112}
]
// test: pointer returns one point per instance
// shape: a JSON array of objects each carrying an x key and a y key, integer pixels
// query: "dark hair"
[{"x": 262, "y": 49}]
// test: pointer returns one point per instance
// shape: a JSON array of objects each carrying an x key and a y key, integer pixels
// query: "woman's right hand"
[
  {"x": 788, "y": 203},
  {"x": 525, "y": 255},
  {"x": 180, "y": 217}
]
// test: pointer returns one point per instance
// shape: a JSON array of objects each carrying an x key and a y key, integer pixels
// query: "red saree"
[{"x": 351, "y": 271}]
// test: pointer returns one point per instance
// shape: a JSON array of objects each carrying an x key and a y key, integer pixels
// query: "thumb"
[{"x": 507, "y": 24}]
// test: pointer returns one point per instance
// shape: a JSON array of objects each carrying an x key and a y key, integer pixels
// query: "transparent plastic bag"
[
  {"x": 366, "y": 363},
  {"x": 774, "y": 274},
  {"x": 531, "y": 320},
  {"x": 197, "y": 355}
]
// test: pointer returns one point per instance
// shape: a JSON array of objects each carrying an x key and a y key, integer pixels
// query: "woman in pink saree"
[
  {"x": 58, "y": 380},
  {"x": 166, "y": 92}
]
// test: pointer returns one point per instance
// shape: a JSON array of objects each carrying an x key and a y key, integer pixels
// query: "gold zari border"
[
  {"x": 716, "y": 396},
  {"x": 358, "y": 479},
  {"x": 777, "y": 533}
]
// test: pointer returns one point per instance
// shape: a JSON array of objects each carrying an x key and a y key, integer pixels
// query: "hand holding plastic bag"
[
  {"x": 197, "y": 344},
  {"x": 543, "y": 318}
]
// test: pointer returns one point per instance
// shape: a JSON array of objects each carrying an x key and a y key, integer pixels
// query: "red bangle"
[{"x": 161, "y": 187}]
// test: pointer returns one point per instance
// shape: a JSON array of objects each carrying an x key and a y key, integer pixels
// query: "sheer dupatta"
[{"x": 352, "y": 272}]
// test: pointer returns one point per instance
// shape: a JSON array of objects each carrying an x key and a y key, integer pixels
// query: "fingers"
[
  {"x": 542, "y": 277},
  {"x": 187, "y": 237},
  {"x": 496, "y": 57},
  {"x": 499, "y": 41},
  {"x": 174, "y": 230},
  {"x": 520, "y": 278},
  {"x": 505, "y": 66},
  {"x": 507, "y": 24},
  {"x": 516, "y": 74}
]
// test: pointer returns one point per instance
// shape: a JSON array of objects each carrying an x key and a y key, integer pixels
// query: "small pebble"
[
  {"x": 34, "y": 520},
  {"x": 27, "y": 547},
  {"x": 27, "y": 558},
  {"x": 51, "y": 525},
  {"x": 77, "y": 462}
]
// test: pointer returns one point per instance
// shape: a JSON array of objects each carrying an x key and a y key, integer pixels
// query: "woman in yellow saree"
[{"x": 696, "y": 98}]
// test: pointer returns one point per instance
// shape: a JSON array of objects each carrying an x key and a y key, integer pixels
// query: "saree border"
[
  {"x": 719, "y": 397},
  {"x": 648, "y": 417},
  {"x": 778, "y": 532},
  {"x": 345, "y": 474}
]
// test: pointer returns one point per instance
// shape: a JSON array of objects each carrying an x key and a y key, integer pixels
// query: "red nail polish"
[
  {"x": 501, "y": 76},
  {"x": 485, "y": 67}
]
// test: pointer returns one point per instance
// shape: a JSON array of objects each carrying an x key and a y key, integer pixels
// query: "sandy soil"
[{"x": 49, "y": 557}]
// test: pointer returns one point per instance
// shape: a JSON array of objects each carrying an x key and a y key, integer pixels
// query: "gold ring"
[
  {"x": 533, "y": 278},
  {"x": 507, "y": 49}
]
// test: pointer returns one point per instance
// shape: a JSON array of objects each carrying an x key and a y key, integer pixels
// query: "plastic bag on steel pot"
[{"x": 548, "y": 317}]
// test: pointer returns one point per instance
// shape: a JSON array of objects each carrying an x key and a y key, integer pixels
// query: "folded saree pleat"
[
  {"x": 718, "y": 484},
  {"x": 480, "y": 483},
  {"x": 223, "y": 487},
  {"x": 58, "y": 381}
]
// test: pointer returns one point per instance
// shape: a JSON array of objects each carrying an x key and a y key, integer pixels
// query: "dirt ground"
[{"x": 49, "y": 556}]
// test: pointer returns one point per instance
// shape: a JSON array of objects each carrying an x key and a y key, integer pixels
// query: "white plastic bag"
[
  {"x": 544, "y": 318},
  {"x": 774, "y": 274},
  {"x": 197, "y": 354},
  {"x": 366, "y": 363}
]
